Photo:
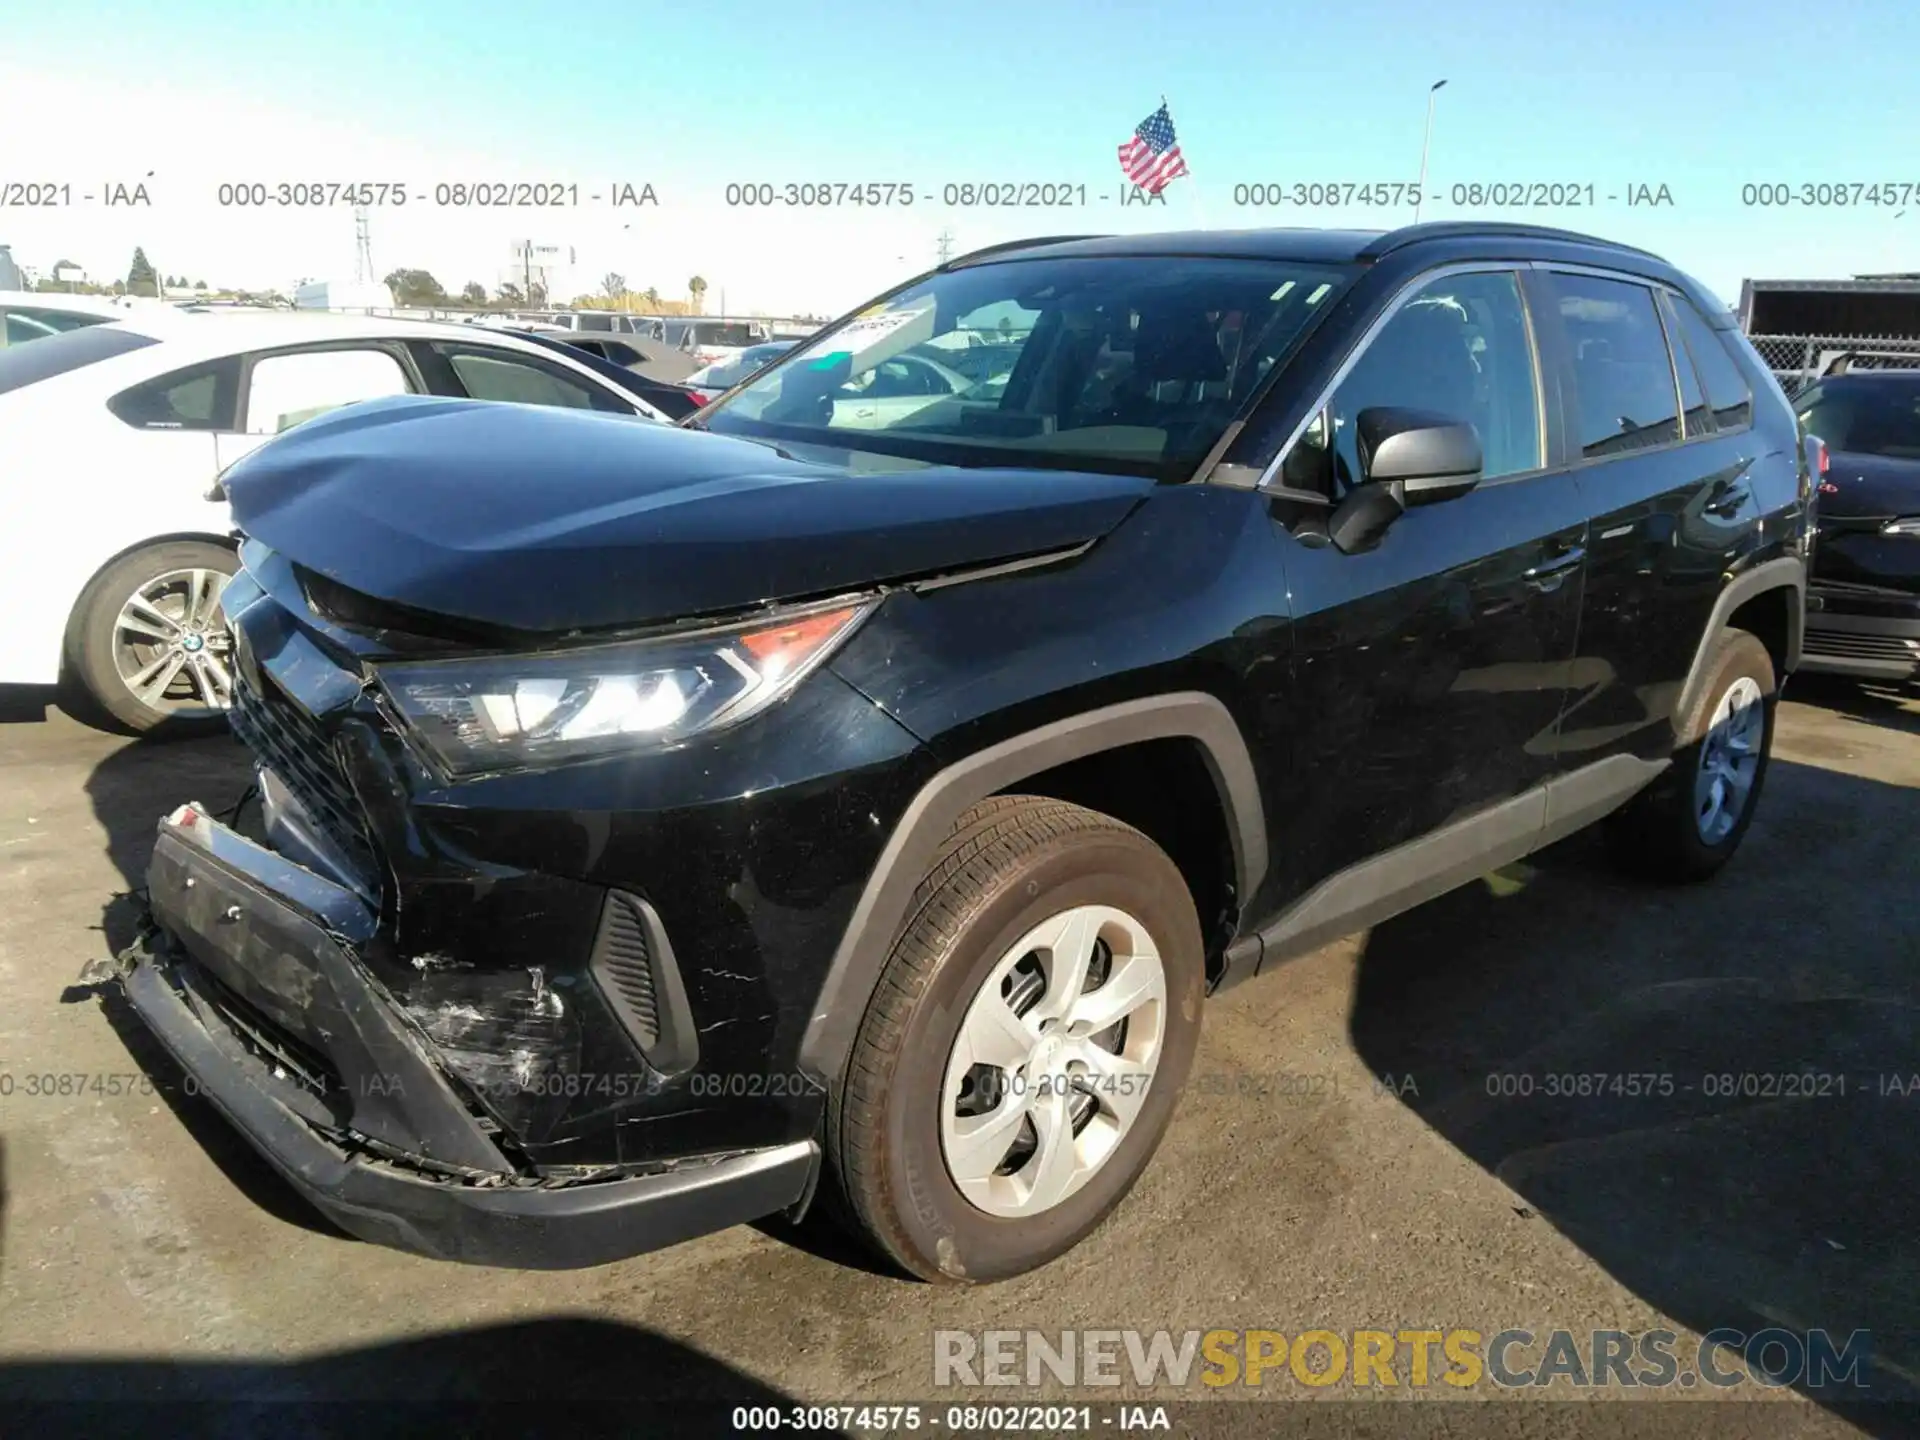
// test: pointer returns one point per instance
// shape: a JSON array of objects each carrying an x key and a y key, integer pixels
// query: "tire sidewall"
[{"x": 946, "y": 1233}]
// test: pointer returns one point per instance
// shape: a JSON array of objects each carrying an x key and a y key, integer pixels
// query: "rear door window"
[
  {"x": 1697, "y": 415},
  {"x": 1628, "y": 398},
  {"x": 284, "y": 390}
]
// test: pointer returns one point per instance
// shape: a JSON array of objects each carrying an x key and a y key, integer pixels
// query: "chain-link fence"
[{"x": 1796, "y": 360}]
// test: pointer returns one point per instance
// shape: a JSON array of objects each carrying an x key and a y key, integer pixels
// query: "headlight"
[
  {"x": 504, "y": 712},
  {"x": 1906, "y": 525}
]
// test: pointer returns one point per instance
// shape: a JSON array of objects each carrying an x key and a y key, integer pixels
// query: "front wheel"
[
  {"x": 149, "y": 642},
  {"x": 1688, "y": 823},
  {"x": 1025, "y": 1045}
]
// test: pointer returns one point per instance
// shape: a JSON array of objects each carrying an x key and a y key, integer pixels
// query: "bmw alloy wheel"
[{"x": 172, "y": 645}]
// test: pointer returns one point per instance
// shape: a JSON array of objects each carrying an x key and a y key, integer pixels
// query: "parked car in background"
[
  {"x": 651, "y": 358},
  {"x": 708, "y": 342},
  {"x": 112, "y": 555},
  {"x": 1863, "y": 601},
  {"x": 622, "y": 362},
  {"x": 710, "y": 380},
  {"x": 29, "y": 315},
  {"x": 787, "y": 805}
]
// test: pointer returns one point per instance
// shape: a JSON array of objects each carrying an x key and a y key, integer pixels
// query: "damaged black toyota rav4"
[{"x": 852, "y": 795}]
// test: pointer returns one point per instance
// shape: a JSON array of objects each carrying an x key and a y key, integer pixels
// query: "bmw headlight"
[{"x": 503, "y": 712}]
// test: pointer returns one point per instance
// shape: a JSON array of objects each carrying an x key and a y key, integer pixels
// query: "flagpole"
[{"x": 1426, "y": 141}]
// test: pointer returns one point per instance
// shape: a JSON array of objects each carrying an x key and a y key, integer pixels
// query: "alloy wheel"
[
  {"x": 1729, "y": 760},
  {"x": 1053, "y": 1061},
  {"x": 172, "y": 646}
]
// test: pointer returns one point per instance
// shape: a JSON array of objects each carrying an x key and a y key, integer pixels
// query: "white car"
[
  {"x": 113, "y": 551},
  {"x": 30, "y": 315},
  {"x": 893, "y": 390}
]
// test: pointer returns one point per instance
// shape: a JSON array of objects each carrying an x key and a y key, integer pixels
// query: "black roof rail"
[
  {"x": 1006, "y": 245},
  {"x": 1446, "y": 229}
]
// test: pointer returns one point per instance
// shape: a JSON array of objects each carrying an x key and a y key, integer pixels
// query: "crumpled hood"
[
  {"x": 545, "y": 519},
  {"x": 1871, "y": 485}
]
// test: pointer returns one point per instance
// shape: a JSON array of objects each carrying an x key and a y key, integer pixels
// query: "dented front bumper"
[{"x": 256, "y": 976}]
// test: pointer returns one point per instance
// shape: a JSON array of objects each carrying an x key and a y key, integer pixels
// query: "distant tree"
[
  {"x": 199, "y": 284},
  {"x": 509, "y": 294},
  {"x": 415, "y": 287},
  {"x": 613, "y": 285},
  {"x": 697, "y": 288},
  {"x": 474, "y": 293},
  {"x": 140, "y": 277},
  {"x": 653, "y": 298},
  {"x": 537, "y": 295}
]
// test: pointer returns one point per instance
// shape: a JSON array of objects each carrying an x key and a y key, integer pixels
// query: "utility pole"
[
  {"x": 946, "y": 246},
  {"x": 1420, "y": 192},
  {"x": 363, "y": 246}
]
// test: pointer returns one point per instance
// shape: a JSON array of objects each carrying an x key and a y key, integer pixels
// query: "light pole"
[{"x": 1420, "y": 191}]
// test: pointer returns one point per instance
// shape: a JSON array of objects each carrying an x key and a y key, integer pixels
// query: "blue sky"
[{"x": 1701, "y": 96}]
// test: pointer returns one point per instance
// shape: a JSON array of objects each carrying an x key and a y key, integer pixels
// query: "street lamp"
[{"x": 1420, "y": 192}]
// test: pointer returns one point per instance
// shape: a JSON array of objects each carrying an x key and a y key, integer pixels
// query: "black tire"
[
  {"x": 1011, "y": 863},
  {"x": 1657, "y": 834},
  {"x": 104, "y": 698}
]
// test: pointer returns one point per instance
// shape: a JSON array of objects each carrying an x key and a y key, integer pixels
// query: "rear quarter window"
[{"x": 200, "y": 397}]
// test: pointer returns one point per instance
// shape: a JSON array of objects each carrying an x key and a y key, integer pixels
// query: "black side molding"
[
  {"x": 1411, "y": 874},
  {"x": 930, "y": 817}
]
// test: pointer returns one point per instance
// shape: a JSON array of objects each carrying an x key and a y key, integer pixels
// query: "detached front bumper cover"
[{"x": 378, "y": 1140}]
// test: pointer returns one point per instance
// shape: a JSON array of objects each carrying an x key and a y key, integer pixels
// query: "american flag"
[{"x": 1151, "y": 158}]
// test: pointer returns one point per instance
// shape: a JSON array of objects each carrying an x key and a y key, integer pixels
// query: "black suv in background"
[
  {"x": 660, "y": 826},
  {"x": 1863, "y": 600}
]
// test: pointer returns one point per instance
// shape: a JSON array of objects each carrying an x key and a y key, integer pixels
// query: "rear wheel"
[
  {"x": 149, "y": 643},
  {"x": 1026, "y": 1043},
  {"x": 1688, "y": 823}
]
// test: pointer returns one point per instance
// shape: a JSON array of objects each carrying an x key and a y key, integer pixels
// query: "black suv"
[
  {"x": 1863, "y": 603},
  {"x": 856, "y": 797}
]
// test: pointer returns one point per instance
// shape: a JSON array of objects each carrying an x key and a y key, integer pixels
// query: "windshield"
[
  {"x": 1132, "y": 363},
  {"x": 69, "y": 350},
  {"x": 1865, "y": 419},
  {"x": 725, "y": 374}
]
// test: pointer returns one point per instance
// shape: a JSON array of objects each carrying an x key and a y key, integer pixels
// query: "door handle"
[{"x": 1550, "y": 574}]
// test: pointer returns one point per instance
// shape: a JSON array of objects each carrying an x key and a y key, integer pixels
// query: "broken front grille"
[{"x": 298, "y": 749}]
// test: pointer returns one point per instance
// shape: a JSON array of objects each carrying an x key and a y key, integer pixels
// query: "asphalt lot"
[{"x": 146, "y": 1252}]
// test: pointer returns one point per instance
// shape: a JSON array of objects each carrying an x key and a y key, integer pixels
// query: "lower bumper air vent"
[{"x": 634, "y": 967}]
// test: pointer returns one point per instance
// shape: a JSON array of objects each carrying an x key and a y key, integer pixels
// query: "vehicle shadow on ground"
[
  {"x": 1796, "y": 1206},
  {"x": 1870, "y": 702},
  {"x": 523, "y": 1378},
  {"x": 26, "y": 704}
]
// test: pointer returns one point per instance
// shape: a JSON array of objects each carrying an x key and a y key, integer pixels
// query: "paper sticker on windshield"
[{"x": 866, "y": 341}]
